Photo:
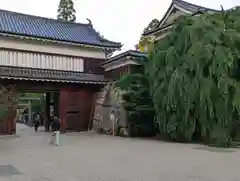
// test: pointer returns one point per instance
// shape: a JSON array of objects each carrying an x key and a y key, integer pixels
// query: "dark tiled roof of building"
[
  {"x": 131, "y": 53},
  {"x": 51, "y": 29},
  {"x": 193, "y": 8},
  {"x": 165, "y": 27},
  {"x": 47, "y": 75}
]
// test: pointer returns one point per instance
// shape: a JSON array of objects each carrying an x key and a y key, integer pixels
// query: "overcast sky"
[{"x": 117, "y": 20}]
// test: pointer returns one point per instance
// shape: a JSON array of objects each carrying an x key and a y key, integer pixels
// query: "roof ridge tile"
[
  {"x": 43, "y": 18},
  {"x": 20, "y": 24}
]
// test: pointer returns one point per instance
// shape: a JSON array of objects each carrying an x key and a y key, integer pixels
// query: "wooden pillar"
[
  {"x": 62, "y": 109},
  {"x": 87, "y": 100},
  {"x": 56, "y": 103},
  {"x": 129, "y": 70},
  {"x": 42, "y": 113},
  {"x": 30, "y": 121},
  {"x": 11, "y": 115},
  {"x": 11, "y": 123},
  {"x": 92, "y": 111},
  {"x": 47, "y": 112}
]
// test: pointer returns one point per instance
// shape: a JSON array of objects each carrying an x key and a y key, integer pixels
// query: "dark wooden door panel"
[
  {"x": 75, "y": 109},
  {"x": 73, "y": 120},
  {"x": 3, "y": 126}
]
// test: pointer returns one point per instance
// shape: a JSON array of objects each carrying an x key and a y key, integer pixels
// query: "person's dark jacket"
[
  {"x": 37, "y": 120},
  {"x": 55, "y": 124}
]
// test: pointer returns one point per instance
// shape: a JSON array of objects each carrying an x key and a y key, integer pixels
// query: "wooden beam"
[
  {"x": 62, "y": 109},
  {"x": 47, "y": 112},
  {"x": 35, "y": 86}
]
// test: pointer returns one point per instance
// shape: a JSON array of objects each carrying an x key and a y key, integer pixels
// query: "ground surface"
[{"x": 90, "y": 157}]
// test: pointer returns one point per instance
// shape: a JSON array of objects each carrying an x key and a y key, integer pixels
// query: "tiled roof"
[
  {"x": 193, "y": 8},
  {"x": 39, "y": 27},
  {"x": 47, "y": 75},
  {"x": 167, "y": 26},
  {"x": 131, "y": 53}
]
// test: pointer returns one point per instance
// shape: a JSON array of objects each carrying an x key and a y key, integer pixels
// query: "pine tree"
[
  {"x": 66, "y": 11},
  {"x": 138, "y": 104},
  {"x": 152, "y": 25},
  {"x": 194, "y": 78},
  {"x": 147, "y": 41}
]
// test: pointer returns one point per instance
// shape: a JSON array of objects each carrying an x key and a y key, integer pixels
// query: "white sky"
[{"x": 117, "y": 20}]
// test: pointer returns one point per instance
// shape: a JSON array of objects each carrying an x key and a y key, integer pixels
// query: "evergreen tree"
[
  {"x": 194, "y": 78},
  {"x": 152, "y": 25},
  {"x": 66, "y": 11},
  {"x": 146, "y": 41},
  {"x": 138, "y": 104}
]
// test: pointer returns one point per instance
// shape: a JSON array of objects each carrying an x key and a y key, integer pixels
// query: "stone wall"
[{"x": 108, "y": 102}]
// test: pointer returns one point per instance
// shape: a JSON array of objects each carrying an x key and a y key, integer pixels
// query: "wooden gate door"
[
  {"x": 8, "y": 124},
  {"x": 3, "y": 126},
  {"x": 75, "y": 107}
]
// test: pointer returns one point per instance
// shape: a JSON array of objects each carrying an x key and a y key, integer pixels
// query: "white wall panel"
[
  {"x": 43, "y": 61},
  {"x": 35, "y": 46}
]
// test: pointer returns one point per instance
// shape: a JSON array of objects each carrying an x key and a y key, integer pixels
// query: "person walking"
[
  {"x": 55, "y": 127},
  {"x": 37, "y": 122}
]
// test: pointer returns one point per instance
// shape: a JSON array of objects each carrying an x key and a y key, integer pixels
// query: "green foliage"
[
  {"x": 152, "y": 25},
  {"x": 194, "y": 76},
  {"x": 66, "y": 11},
  {"x": 36, "y": 104},
  {"x": 138, "y": 103},
  {"x": 147, "y": 41}
]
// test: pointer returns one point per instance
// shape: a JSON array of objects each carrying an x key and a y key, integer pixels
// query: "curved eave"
[
  {"x": 164, "y": 28},
  {"x": 184, "y": 6},
  {"x": 122, "y": 56},
  {"x": 160, "y": 30},
  {"x": 193, "y": 7},
  {"x": 62, "y": 42},
  {"x": 50, "y": 75},
  {"x": 56, "y": 81}
]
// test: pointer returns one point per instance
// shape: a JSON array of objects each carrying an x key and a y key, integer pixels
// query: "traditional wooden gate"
[
  {"x": 75, "y": 109},
  {"x": 35, "y": 56},
  {"x": 7, "y": 124},
  {"x": 4, "y": 126}
]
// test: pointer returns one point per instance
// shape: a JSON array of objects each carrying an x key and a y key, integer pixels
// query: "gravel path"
[{"x": 91, "y": 157}]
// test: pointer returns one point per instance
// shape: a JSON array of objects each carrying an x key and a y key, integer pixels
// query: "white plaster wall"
[
  {"x": 40, "y": 60},
  {"x": 119, "y": 63},
  {"x": 41, "y": 47},
  {"x": 161, "y": 35}
]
